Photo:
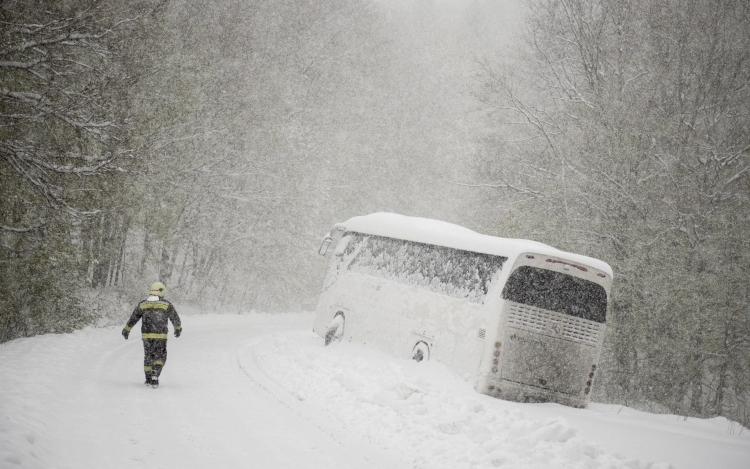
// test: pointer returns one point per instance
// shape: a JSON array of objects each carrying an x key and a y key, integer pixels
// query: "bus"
[{"x": 519, "y": 319}]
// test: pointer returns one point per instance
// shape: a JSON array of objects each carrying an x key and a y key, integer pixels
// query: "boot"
[{"x": 154, "y": 382}]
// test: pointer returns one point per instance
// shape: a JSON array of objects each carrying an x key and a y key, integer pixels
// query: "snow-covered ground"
[{"x": 262, "y": 391}]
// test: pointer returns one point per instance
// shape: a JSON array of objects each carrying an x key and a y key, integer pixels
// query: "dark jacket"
[{"x": 155, "y": 315}]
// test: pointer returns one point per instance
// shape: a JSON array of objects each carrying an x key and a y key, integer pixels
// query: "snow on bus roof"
[{"x": 440, "y": 233}]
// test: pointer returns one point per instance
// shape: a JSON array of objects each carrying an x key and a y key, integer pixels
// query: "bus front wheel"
[
  {"x": 335, "y": 329},
  {"x": 421, "y": 351}
]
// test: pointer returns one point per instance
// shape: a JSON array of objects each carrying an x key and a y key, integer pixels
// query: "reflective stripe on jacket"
[{"x": 155, "y": 315}]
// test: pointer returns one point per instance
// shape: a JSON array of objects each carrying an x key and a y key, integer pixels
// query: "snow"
[
  {"x": 425, "y": 230},
  {"x": 450, "y": 272},
  {"x": 260, "y": 390}
]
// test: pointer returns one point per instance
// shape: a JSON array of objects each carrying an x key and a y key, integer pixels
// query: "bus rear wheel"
[
  {"x": 421, "y": 351},
  {"x": 335, "y": 329}
]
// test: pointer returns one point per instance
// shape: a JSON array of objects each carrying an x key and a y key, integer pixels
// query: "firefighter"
[{"x": 154, "y": 311}]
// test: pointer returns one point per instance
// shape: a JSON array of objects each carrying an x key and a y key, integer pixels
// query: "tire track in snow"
[
  {"x": 78, "y": 401},
  {"x": 247, "y": 361}
]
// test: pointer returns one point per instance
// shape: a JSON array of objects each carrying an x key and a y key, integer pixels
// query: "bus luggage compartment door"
[{"x": 545, "y": 362}]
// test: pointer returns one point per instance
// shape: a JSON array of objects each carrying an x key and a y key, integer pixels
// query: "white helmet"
[{"x": 158, "y": 289}]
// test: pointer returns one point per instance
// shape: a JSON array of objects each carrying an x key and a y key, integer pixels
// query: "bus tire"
[
  {"x": 335, "y": 329},
  {"x": 421, "y": 351}
]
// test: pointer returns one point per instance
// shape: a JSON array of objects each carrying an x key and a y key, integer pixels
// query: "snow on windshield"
[{"x": 558, "y": 292}]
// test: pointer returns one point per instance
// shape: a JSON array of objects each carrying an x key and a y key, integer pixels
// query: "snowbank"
[{"x": 421, "y": 410}]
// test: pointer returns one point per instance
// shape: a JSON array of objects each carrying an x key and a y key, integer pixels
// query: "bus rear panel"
[{"x": 550, "y": 332}]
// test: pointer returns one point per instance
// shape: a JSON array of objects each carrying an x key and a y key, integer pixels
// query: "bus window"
[
  {"x": 556, "y": 291},
  {"x": 460, "y": 274}
]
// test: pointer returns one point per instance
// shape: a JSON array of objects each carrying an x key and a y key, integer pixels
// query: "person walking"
[{"x": 155, "y": 311}]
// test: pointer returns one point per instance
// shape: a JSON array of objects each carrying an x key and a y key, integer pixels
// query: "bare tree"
[
  {"x": 628, "y": 126},
  {"x": 58, "y": 125},
  {"x": 66, "y": 148}
]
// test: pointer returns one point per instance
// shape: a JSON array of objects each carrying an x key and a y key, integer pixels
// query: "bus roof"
[{"x": 440, "y": 233}]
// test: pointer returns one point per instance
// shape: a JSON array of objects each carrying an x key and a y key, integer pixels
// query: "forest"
[{"x": 212, "y": 144}]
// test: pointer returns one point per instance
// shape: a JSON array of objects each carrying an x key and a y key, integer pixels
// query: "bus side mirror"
[{"x": 324, "y": 246}]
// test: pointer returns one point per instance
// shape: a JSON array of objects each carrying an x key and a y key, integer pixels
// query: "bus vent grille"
[
  {"x": 481, "y": 333},
  {"x": 539, "y": 320},
  {"x": 578, "y": 329},
  {"x": 527, "y": 317}
]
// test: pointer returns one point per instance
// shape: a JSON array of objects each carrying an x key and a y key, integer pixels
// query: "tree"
[
  {"x": 275, "y": 121},
  {"x": 630, "y": 134},
  {"x": 64, "y": 149}
]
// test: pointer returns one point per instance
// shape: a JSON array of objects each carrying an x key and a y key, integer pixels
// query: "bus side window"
[{"x": 450, "y": 272}]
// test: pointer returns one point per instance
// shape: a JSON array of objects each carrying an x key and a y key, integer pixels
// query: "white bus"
[{"x": 521, "y": 320}]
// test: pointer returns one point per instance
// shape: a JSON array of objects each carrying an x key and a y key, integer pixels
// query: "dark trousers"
[{"x": 154, "y": 356}]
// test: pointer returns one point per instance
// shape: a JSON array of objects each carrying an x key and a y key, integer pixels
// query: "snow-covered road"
[
  {"x": 261, "y": 391},
  {"x": 78, "y": 401}
]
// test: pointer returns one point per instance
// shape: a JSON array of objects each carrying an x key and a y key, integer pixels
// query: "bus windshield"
[{"x": 556, "y": 291}]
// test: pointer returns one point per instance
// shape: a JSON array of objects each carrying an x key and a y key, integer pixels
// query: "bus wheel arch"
[
  {"x": 420, "y": 352},
  {"x": 335, "y": 328}
]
